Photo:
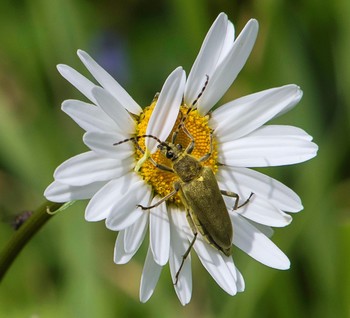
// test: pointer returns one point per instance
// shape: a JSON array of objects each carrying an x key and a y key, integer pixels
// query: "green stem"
[{"x": 23, "y": 235}]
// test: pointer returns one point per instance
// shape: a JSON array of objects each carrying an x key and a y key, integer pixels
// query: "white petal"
[
  {"x": 109, "y": 83},
  {"x": 159, "y": 229},
  {"x": 103, "y": 144},
  {"x": 264, "y": 229},
  {"x": 262, "y": 211},
  {"x": 226, "y": 72},
  {"x": 283, "y": 130},
  {"x": 114, "y": 109},
  {"x": 88, "y": 116},
  {"x": 240, "y": 281},
  {"x": 250, "y": 240},
  {"x": 124, "y": 212},
  {"x": 267, "y": 146},
  {"x": 218, "y": 265},
  {"x": 241, "y": 116},
  {"x": 149, "y": 279},
  {"x": 167, "y": 108},
  {"x": 208, "y": 57},
  {"x": 60, "y": 192},
  {"x": 228, "y": 42},
  {"x": 80, "y": 82},
  {"x": 104, "y": 200},
  {"x": 135, "y": 233},
  {"x": 244, "y": 181},
  {"x": 231, "y": 267},
  {"x": 178, "y": 247},
  {"x": 129, "y": 240},
  {"x": 87, "y": 168},
  {"x": 120, "y": 256}
]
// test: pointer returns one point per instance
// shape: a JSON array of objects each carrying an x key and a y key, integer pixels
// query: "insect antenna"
[
  {"x": 201, "y": 93},
  {"x": 135, "y": 139}
]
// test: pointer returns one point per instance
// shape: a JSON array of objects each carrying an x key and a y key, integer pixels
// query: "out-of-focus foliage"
[{"x": 67, "y": 270}]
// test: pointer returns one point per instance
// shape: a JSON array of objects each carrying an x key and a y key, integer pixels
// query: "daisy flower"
[{"x": 119, "y": 178}]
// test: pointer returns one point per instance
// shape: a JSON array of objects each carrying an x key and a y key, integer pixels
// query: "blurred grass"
[{"x": 67, "y": 270}]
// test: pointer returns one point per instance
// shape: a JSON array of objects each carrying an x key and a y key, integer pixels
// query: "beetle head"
[{"x": 170, "y": 150}]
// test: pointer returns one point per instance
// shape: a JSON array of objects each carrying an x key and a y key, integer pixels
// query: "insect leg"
[
  {"x": 190, "y": 147},
  {"x": 134, "y": 140},
  {"x": 161, "y": 167},
  {"x": 236, "y": 196},
  {"x": 207, "y": 155},
  {"x": 195, "y": 233},
  {"x": 182, "y": 125},
  {"x": 157, "y": 165},
  {"x": 183, "y": 119},
  {"x": 168, "y": 196}
]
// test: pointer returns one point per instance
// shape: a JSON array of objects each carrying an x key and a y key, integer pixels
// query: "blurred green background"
[{"x": 67, "y": 270}]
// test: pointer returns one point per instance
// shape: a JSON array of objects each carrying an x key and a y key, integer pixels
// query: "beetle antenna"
[
  {"x": 201, "y": 93},
  {"x": 135, "y": 139}
]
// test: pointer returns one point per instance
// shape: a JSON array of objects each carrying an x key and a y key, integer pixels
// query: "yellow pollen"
[{"x": 162, "y": 181}]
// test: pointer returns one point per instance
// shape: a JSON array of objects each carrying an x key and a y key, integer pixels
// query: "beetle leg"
[
  {"x": 207, "y": 155},
  {"x": 190, "y": 147},
  {"x": 176, "y": 190},
  {"x": 182, "y": 125},
  {"x": 195, "y": 233},
  {"x": 183, "y": 119},
  {"x": 184, "y": 258},
  {"x": 161, "y": 167},
  {"x": 236, "y": 196},
  {"x": 174, "y": 136},
  {"x": 157, "y": 165}
]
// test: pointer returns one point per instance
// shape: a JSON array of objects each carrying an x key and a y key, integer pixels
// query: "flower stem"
[{"x": 24, "y": 233}]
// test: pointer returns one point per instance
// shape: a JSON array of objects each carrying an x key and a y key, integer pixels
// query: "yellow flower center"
[{"x": 160, "y": 180}]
